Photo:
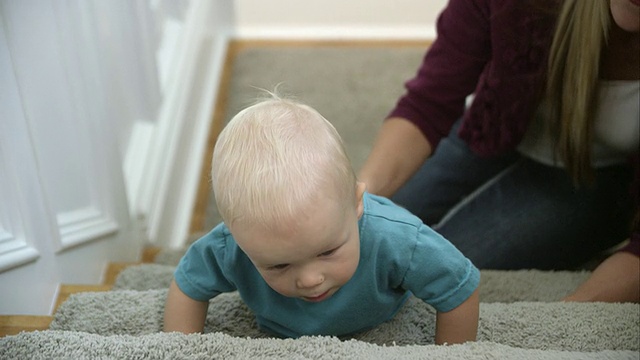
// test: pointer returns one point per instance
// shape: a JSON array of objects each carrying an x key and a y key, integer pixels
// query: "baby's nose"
[{"x": 309, "y": 279}]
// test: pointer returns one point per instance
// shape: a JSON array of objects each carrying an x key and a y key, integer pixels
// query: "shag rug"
[{"x": 520, "y": 318}]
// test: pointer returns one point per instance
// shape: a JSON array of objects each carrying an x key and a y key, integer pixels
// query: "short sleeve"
[
  {"x": 439, "y": 273},
  {"x": 200, "y": 273}
]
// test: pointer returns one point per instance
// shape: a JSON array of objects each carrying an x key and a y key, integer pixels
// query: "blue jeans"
[{"x": 511, "y": 212}]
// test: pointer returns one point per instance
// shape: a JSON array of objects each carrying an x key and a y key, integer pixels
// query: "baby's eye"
[
  {"x": 327, "y": 253},
  {"x": 279, "y": 267}
]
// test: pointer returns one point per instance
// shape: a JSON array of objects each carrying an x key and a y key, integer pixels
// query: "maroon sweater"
[{"x": 498, "y": 50}]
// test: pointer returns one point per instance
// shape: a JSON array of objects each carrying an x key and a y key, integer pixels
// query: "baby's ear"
[{"x": 360, "y": 189}]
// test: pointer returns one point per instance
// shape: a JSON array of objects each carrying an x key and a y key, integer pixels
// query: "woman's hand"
[{"x": 617, "y": 279}]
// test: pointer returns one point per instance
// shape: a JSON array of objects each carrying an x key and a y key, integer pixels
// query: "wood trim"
[
  {"x": 15, "y": 324},
  {"x": 149, "y": 253},
  {"x": 113, "y": 270}
]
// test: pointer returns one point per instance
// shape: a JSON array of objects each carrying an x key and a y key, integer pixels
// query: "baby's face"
[{"x": 311, "y": 260}]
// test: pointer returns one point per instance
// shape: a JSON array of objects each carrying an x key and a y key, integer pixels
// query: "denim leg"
[
  {"x": 447, "y": 177},
  {"x": 531, "y": 216}
]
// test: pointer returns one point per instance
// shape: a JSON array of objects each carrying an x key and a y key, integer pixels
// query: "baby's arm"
[
  {"x": 182, "y": 313},
  {"x": 460, "y": 324}
]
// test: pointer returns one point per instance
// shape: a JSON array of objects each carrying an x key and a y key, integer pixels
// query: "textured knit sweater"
[{"x": 496, "y": 49}]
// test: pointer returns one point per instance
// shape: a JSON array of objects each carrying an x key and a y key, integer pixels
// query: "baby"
[{"x": 307, "y": 248}]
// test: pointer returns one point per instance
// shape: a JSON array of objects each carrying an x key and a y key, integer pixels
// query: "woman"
[{"x": 536, "y": 172}]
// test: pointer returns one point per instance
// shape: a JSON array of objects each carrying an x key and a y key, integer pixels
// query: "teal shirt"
[{"x": 399, "y": 255}]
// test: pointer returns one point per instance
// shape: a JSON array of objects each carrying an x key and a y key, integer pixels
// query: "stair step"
[
  {"x": 67, "y": 290},
  {"x": 14, "y": 324},
  {"x": 149, "y": 253},
  {"x": 114, "y": 269}
]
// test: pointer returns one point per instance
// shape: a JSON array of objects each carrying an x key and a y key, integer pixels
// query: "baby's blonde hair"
[{"x": 274, "y": 159}]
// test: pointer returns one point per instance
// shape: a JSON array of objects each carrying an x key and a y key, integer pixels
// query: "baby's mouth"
[{"x": 318, "y": 298}]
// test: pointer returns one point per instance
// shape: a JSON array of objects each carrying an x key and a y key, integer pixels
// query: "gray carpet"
[{"x": 520, "y": 316}]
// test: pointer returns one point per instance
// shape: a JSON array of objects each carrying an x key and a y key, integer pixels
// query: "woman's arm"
[
  {"x": 617, "y": 279},
  {"x": 434, "y": 98},
  {"x": 399, "y": 151},
  {"x": 183, "y": 314},
  {"x": 460, "y": 324}
]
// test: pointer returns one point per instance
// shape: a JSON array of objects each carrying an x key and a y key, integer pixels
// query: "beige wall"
[{"x": 336, "y": 18}]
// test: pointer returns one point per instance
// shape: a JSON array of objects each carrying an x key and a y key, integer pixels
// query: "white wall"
[
  {"x": 63, "y": 208},
  {"x": 337, "y": 19}
]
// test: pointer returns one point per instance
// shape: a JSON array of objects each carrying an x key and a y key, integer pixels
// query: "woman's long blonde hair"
[{"x": 572, "y": 84}]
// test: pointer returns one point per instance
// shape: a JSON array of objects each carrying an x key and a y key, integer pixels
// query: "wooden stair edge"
[
  {"x": 15, "y": 324},
  {"x": 149, "y": 253},
  {"x": 66, "y": 290},
  {"x": 114, "y": 269}
]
